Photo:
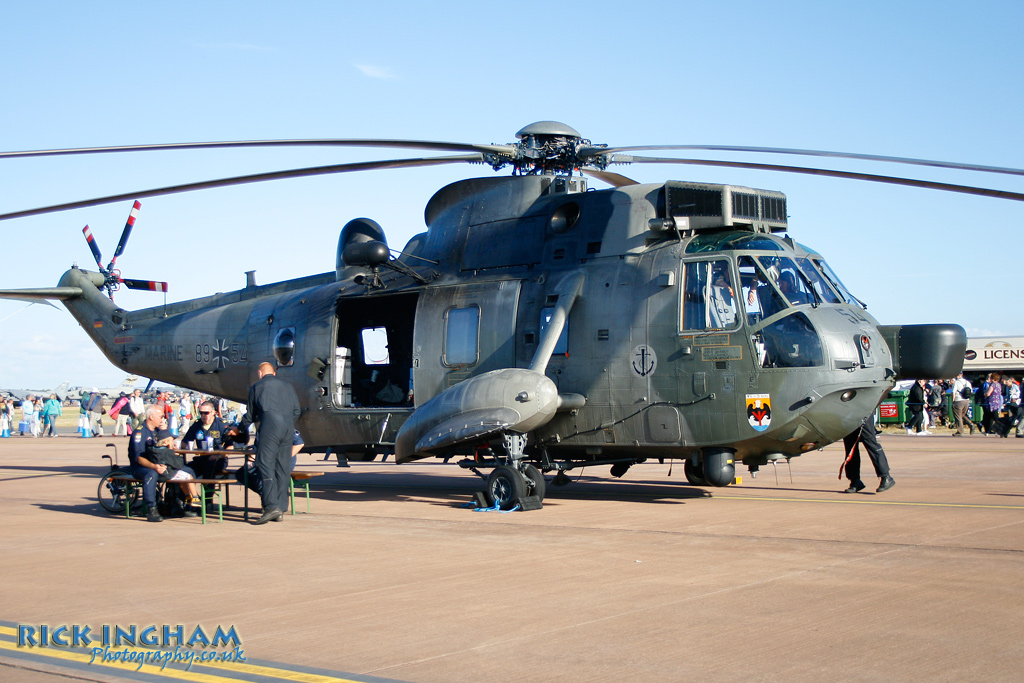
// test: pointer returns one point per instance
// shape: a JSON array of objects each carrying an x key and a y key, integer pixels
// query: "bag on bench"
[{"x": 161, "y": 455}]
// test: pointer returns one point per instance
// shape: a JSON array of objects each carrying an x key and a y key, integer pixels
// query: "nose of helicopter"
[{"x": 829, "y": 415}]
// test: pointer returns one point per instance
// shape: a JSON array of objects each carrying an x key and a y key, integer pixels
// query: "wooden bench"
[
  {"x": 220, "y": 500},
  {"x": 297, "y": 479},
  {"x": 132, "y": 484},
  {"x": 301, "y": 479}
]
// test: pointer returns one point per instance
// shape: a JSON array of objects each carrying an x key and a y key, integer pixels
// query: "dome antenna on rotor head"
[{"x": 548, "y": 129}]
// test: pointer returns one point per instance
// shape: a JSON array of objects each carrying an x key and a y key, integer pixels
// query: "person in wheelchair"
[
  {"x": 174, "y": 468},
  {"x": 142, "y": 467}
]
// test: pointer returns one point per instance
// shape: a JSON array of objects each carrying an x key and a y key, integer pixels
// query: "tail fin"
[{"x": 128, "y": 385}]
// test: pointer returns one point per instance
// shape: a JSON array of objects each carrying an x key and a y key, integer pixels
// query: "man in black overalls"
[
  {"x": 273, "y": 406},
  {"x": 866, "y": 434}
]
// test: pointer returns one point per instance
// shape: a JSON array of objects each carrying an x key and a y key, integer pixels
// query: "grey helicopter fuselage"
[{"x": 660, "y": 315}]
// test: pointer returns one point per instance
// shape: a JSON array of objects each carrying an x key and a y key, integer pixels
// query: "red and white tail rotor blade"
[
  {"x": 126, "y": 232},
  {"x": 93, "y": 247},
  {"x": 146, "y": 285}
]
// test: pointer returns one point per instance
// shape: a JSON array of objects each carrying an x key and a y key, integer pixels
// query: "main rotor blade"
[
  {"x": 255, "y": 178},
  {"x": 613, "y": 179},
  {"x": 891, "y": 180},
  {"x": 40, "y": 294},
  {"x": 323, "y": 142},
  {"x": 598, "y": 151}
]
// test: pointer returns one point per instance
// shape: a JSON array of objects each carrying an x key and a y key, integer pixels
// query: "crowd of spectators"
[
  {"x": 125, "y": 413},
  {"x": 997, "y": 397}
]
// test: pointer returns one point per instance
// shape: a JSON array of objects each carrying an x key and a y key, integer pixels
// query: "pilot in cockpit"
[
  {"x": 721, "y": 299},
  {"x": 787, "y": 283}
]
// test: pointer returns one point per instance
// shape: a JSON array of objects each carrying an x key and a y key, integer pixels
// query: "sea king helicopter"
[{"x": 539, "y": 325}]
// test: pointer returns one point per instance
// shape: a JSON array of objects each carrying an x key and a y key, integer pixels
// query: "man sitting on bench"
[
  {"x": 209, "y": 428},
  {"x": 143, "y": 469}
]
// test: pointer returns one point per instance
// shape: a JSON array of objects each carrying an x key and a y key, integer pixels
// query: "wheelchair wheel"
[{"x": 113, "y": 494}]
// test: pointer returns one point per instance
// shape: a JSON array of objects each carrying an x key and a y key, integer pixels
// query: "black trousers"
[
  {"x": 916, "y": 421},
  {"x": 988, "y": 418},
  {"x": 149, "y": 479},
  {"x": 274, "y": 462},
  {"x": 865, "y": 435}
]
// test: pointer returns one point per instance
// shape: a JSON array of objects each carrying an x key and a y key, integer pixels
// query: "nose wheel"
[
  {"x": 694, "y": 473},
  {"x": 507, "y": 484}
]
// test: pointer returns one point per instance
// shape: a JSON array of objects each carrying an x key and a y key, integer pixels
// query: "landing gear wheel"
[
  {"x": 113, "y": 494},
  {"x": 694, "y": 473},
  {"x": 535, "y": 481},
  {"x": 506, "y": 485}
]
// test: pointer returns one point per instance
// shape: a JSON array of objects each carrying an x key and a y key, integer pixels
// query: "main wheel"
[
  {"x": 535, "y": 481},
  {"x": 694, "y": 473},
  {"x": 113, "y": 494},
  {"x": 506, "y": 485}
]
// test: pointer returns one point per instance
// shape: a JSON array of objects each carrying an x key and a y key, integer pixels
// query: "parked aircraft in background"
[
  {"x": 19, "y": 394},
  {"x": 127, "y": 387}
]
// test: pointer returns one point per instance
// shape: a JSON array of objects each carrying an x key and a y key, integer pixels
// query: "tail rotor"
[{"x": 112, "y": 276}]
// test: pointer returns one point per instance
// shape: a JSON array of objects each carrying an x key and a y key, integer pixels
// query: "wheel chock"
[{"x": 530, "y": 503}]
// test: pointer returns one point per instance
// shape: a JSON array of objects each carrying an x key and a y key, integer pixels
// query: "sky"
[{"x": 934, "y": 80}]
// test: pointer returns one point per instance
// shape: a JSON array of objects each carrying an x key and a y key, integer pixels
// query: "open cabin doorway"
[{"x": 372, "y": 364}]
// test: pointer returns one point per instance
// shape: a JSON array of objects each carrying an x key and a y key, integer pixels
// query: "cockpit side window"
[
  {"x": 759, "y": 298},
  {"x": 709, "y": 297}
]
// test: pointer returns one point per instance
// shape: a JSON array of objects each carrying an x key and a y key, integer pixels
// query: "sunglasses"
[{"x": 205, "y": 412}]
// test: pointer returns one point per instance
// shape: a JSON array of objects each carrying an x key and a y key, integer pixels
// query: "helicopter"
[{"x": 539, "y": 325}]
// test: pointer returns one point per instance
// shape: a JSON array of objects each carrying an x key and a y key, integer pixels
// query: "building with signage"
[{"x": 994, "y": 354}]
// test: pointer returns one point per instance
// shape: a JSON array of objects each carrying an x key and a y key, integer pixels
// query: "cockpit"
[{"x": 755, "y": 281}]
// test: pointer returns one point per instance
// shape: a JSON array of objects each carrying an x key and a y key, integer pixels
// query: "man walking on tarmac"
[
  {"x": 866, "y": 434},
  {"x": 273, "y": 406}
]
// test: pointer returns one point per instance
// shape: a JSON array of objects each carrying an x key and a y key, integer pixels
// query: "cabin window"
[
  {"x": 375, "y": 346},
  {"x": 562, "y": 345},
  {"x": 461, "y": 337},
  {"x": 709, "y": 298},
  {"x": 284, "y": 347}
]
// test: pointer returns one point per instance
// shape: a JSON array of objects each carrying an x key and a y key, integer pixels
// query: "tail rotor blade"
[
  {"x": 93, "y": 246},
  {"x": 145, "y": 285},
  {"x": 126, "y": 232}
]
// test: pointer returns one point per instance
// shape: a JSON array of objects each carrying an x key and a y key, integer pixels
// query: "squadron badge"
[{"x": 759, "y": 411}]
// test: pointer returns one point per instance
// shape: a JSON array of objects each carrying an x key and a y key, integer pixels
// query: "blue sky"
[{"x": 938, "y": 80}]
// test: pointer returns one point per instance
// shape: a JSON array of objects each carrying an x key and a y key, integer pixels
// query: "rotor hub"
[{"x": 544, "y": 147}]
